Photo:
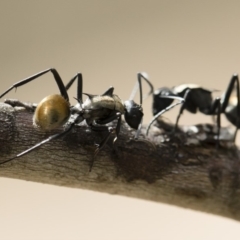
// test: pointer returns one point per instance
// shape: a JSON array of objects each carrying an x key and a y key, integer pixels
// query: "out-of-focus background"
[{"x": 109, "y": 42}]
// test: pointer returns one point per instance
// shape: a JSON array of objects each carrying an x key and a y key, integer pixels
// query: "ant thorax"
[{"x": 99, "y": 102}]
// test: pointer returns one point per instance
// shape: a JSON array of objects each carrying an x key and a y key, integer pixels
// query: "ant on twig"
[{"x": 97, "y": 110}]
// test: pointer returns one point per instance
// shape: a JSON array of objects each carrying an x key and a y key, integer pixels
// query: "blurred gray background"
[{"x": 109, "y": 42}]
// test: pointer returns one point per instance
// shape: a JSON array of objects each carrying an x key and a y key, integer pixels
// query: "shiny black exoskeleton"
[
  {"x": 200, "y": 99},
  {"x": 97, "y": 110}
]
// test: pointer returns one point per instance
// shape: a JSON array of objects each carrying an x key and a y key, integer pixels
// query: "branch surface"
[{"x": 185, "y": 169}]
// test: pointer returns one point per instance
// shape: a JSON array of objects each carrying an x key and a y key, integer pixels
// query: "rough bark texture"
[{"x": 185, "y": 169}]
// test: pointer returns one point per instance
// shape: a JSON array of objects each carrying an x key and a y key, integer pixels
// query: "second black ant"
[{"x": 199, "y": 98}]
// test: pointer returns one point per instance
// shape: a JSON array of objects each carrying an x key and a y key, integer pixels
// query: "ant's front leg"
[{"x": 181, "y": 101}]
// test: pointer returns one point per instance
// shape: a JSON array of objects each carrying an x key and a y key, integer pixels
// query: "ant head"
[
  {"x": 133, "y": 114},
  {"x": 160, "y": 103}
]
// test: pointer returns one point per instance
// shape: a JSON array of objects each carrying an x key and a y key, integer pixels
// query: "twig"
[{"x": 183, "y": 170}]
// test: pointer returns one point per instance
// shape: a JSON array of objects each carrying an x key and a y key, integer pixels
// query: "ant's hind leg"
[
  {"x": 58, "y": 135},
  {"x": 56, "y": 76},
  {"x": 102, "y": 143},
  {"x": 32, "y": 106},
  {"x": 79, "y": 79},
  {"x": 139, "y": 129}
]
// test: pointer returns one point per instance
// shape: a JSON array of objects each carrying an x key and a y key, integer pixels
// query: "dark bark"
[{"x": 182, "y": 169}]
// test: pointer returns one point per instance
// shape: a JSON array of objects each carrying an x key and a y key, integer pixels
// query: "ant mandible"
[{"x": 55, "y": 110}]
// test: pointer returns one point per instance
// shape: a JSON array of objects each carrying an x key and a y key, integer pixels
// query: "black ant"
[
  {"x": 198, "y": 98},
  {"x": 55, "y": 110}
]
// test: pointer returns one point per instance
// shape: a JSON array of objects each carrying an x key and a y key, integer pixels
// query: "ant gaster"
[
  {"x": 55, "y": 110},
  {"x": 198, "y": 98}
]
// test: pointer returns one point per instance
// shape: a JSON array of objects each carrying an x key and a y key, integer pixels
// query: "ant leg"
[
  {"x": 79, "y": 78},
  {"x": 110, "y": 130},
  {"x": 226, "y": 98},
  {"x": 181, "y": 100},
  {"x": 218, "y": 103},
  {"x": 238, "y": 108},
  {"x": 117, "y": 115},
  {"x": 138, "y": 130},
  {"x": 58, "y": 135},
  {"x": 216, "y": 109},
  {"x": 56, "y": 76},
  {"x": 101, "y": 145},
  {"x": 229, "y": 90},
  {"x": 186, "y": 96},
  {"x": 139, "y": 85}
]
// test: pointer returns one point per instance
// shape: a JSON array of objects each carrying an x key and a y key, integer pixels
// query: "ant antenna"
[{"x": 138, "y": 85}]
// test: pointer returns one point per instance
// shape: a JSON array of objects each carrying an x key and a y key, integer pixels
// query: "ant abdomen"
[{"x": 52, "y": 112}]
